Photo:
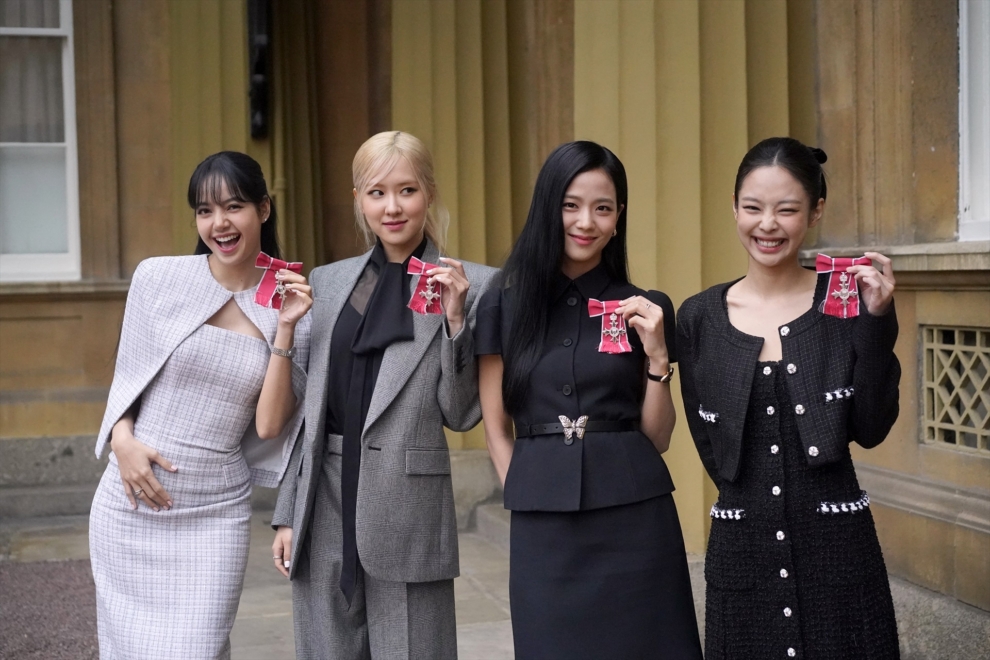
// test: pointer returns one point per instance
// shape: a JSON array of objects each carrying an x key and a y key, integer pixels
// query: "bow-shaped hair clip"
[
  {"x": 576, "y": 427},
  {"x": 426, "y": 299},
  {"x": 271, "y": 290},
  {"x": 615, "y": 339},
  {"x": 842, "y": 299}
]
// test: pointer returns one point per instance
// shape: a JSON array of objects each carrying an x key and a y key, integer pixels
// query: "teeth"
[
  {"x": 769, "y": 244},
  {"x": 226, "y": 239}
]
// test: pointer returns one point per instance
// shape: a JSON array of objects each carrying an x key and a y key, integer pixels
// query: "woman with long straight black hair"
[{"x": 577, "y": 360}]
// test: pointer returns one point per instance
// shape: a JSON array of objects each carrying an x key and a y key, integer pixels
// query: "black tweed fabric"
[
  {"x": 784, "y": 579},
  {"x": 828, "y": 354}
]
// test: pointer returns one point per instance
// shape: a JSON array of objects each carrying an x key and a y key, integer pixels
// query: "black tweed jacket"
[{"x": 842, "y": 377}]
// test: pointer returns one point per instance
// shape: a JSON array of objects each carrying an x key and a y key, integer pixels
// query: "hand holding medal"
[
  {"x": 283, "y": 287},
  {"x": 876, "y": 286},
  {"x": 647, "y": 318},
  {"x": 450, "y": 282}
]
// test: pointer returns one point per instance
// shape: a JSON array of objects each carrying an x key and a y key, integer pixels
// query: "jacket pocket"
[{"x": 427, "y": 461}]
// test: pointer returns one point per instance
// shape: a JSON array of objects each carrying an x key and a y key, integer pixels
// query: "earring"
[{"x": 615, "y": 233}]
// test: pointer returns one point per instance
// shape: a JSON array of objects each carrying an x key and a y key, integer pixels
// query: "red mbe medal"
[
  {"x": 271, "y": 290},
  {"x": 426, "y": 298},
  {"x": 842, "y": 299},
  {"x": 615, "y": 339}
]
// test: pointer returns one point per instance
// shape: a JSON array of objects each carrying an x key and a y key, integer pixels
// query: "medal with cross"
[
  {"x": 613, "y": 331},
  {"x": 429, "y": 293},
  {"x": 844, "y": 294},
  {"x": 614, "y": 335},
  {"x": 842, "y": 299}
]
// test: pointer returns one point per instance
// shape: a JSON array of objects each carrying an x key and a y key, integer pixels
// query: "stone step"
[
  {"x": 492, "y": 522},
  {"x": 43, "y": 501}
]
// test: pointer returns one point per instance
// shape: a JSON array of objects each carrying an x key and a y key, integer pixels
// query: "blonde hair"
[{"x": 376, "y": 158}]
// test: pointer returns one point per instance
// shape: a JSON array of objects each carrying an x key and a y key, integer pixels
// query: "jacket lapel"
[
  {"x": 402, "y": 358},
  {"x": 334, "y": 288}
]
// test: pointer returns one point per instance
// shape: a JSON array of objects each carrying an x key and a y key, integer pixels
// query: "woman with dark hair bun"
[
  {"x": 781, "y": 370},
  {"x": 577, "y": 361},
  {"x": 205, "y": 401}
]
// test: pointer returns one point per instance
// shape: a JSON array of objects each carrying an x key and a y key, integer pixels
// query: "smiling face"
[
  {"x": 394, "y": 206},
  {"x": 230, "y": 227},
  {"x": 773, "y": 215},
  {"x": 590, "y": 212}
]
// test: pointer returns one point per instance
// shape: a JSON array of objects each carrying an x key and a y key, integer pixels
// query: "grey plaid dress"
[{"x": 168, "y": 583}]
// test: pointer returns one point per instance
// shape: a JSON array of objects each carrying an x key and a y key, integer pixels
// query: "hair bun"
[{"x": 819, "y": 154}]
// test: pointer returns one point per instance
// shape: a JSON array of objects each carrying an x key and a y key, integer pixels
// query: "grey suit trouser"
[{"x": 385, "y": 621}]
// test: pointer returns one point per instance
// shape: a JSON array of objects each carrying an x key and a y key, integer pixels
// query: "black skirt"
[{"x": 604, "y": 583}]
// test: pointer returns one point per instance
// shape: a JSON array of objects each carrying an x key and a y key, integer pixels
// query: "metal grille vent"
[{"x": 957, "y": 387}]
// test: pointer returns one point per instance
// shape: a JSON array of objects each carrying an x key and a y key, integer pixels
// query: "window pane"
[
  {"x": 31, "y": 102},
  {"x": 29, "y": 13},
  {"x": 32, "y": 200}
]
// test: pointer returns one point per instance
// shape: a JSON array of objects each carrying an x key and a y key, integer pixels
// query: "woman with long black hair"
[
  {"x": 782, "y": 369},
  {"x": 205, "y": 401},
  {"x": 578, "y": 361}
]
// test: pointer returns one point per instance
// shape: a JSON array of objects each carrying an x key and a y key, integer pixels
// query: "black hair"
[
  {"x": 537, "y": 257},
  {"x": 245, "y": 183},
  {"x": 803, "y": 162}
]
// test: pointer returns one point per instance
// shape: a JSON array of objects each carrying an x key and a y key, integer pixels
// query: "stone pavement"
[
  {"x": 263, "y": 630},
  {"x": 47, "y": 606}
]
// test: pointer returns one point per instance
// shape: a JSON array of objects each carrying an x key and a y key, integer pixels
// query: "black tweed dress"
[{"x": 794, "y": 567}]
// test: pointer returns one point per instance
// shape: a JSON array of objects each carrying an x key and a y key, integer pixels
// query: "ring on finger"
[
  {"x": 648, "y": 305},
  {"x": 277, "y": 557},
  {"x": 138, "y": 492}
]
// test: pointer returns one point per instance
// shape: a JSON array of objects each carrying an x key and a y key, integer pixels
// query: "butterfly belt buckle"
[{"x": 572, "y": 428}]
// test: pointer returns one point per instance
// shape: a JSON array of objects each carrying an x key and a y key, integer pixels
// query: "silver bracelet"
[{"x": 284, "y": 352}]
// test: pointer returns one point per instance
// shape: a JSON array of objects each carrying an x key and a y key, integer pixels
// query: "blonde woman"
[{"x": 365, "y": 517}]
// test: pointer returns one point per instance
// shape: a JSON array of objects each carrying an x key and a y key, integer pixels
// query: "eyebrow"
[
  {"x": 226, "y": 201},
  {"x": 783, "y": 201},
  {"x": 401, "y": 184},
  {"x": 600, "y": 199}
]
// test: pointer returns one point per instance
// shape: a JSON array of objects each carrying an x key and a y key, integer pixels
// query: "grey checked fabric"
[
  {"x": 169, "y": 298},
  {"x": 168, "y": 583}
]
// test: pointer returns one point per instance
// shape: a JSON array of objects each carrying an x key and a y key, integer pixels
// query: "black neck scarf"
[{"x": 387, "y": 319}]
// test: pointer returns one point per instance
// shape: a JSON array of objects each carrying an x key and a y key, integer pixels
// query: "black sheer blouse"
[{"x": 573, "y": 378}]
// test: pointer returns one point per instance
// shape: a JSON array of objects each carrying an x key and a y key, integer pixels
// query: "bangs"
[{"x": 208, "y": 181}]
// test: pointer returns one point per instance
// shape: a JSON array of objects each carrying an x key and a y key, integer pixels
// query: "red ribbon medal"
[
  {"x": 842, "y": 299},
  {"x": 426, "y": 298},
  {"x": 614, "y": 336},
  {"x": 271, "y": 292}
]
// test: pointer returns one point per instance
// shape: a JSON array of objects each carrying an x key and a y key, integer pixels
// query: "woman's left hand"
[
  {"x": 298, "y": 297},
  {"x": 876, "y": 287},
  {"x": 455, "y": 287},
  {"x": 647, "y": 318}
]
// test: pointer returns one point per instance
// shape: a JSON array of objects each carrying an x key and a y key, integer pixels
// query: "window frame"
[
  {"x": 60, "y": 266},
  {"x": 974, "y": 121}
]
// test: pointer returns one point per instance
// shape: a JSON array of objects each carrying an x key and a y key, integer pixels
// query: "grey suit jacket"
[{"x": 406, "y": 529}]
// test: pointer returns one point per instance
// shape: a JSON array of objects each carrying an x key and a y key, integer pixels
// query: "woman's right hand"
[
  {"x": 134, "y": 460},
  {"x": 282, "y": 550}
]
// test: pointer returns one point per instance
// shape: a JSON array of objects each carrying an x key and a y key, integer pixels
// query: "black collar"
[{"x": 590, "y": 285}]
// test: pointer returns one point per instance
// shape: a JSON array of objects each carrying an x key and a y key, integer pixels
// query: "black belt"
[{"x": 589, "y": 427}]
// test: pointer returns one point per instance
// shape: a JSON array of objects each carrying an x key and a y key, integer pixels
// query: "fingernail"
[
  {"x": 175, "y": 468},
  {"x": 155, "y": 509},
  {"x": 169, "y": 503},
  {"x": 286, "y": 563}
]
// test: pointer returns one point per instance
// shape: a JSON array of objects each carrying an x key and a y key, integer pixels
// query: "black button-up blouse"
[{"x": 573, "y": 378}]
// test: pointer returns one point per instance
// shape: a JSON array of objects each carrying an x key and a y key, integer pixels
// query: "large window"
[
  {"x": 39, "y": 188},
  {"x": 974, "y": 120}
]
